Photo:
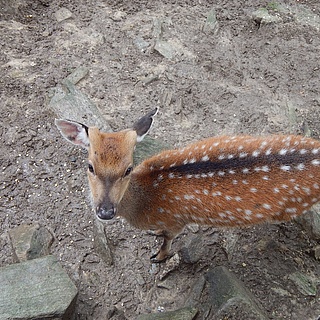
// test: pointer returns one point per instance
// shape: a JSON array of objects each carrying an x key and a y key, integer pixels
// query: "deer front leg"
[{"x": 165, "y": 248}]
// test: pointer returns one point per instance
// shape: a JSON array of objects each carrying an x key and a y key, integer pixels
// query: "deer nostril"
[{"x": 105, "y": 214}]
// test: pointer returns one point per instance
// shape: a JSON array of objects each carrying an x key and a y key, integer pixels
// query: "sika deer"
[{"x": 223, "y": 181}]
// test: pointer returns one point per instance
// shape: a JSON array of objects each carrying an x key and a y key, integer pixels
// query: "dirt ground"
[{"x": 243, "y": 75}]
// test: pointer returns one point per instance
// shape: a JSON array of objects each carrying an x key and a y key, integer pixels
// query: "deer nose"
[{"x": 105, "y": 213}]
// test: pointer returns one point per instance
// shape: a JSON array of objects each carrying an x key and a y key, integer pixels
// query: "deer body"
[{"x": 226, "y": 181}]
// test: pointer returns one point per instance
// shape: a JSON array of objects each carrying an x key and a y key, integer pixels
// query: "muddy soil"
[{"x": 241, "y": 75}]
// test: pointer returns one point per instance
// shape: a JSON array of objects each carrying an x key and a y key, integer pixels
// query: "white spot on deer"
[
  {"x": 300, "y": 166},
  {"x": 316, "y": 186},
  {"x": 263, "y": 144},
  {"x": 189, "y": 176},
  {"x": 173, "y": 165},
  {"x": 205, "y": 158},
  {"x": 211, "y": 174},
  {"x": 222, "y": 215},
  {"x": 171, "y": 175},
  {"x": 217, "y": 193},
  {"x": 243, "y": 155},
  {"x": 315, "y": 162},
  {"x": 228, "y": 198},
  {"x": 237, "y": 198},
  {"x": 216, "y": 144},
  {"x": 285, "y": 168},
  {"x": 281, "y": 203},
  {"x": 161, "y": 210},
  {"x": 245, "y": 170},
  {"x": 193, "y": 160},
  {"x": 204, "y": 175},
  {"x": 255, "y": 153},
  {"x": 284, "y": 186},
  {"x": 306, "y": 204},
  {"x": 266, "y": 206},
  {"x": 315, "y": 151},
  {"x": 234, "y": 182},
  {"x": 306, "y": 190},
  {"x": 268, "y": 152},
  {"x": 221, "y": 157},
  {"x": 282, "y": 152},
  {"x": 205, "y": 191},
  {"x": 231, "y": 171},
  {"x": 276, "y": 190},
  {"x": 248, "y": 212},
  {"x": 240, "y": 148},
  {"x": 303, "y": 151},
  {"x": 259, "y": 215},
  {"x": 185, "y": 161},
  {"x": 265, "y": 178},
  {"x": 253, "y": 190},
  {"x": 245, "y": 182},
  {"x": 221, "y": 173},
  {"x": 230, "y": 156},
  {"x": 291, "y": 210},
  {"x": 177, "y": 198},
  {"x": 314, "y": 200}
]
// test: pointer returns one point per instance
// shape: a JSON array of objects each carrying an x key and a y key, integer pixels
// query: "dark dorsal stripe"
[{"x": 236, "y": 163}]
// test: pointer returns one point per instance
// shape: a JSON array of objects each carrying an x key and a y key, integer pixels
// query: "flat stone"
[
  {"x": 192, "y": 249},
  {"x": 36, "y": 289},
  {"x": 229, "y": 296},
  {"x": 102, "y": 243},
  {"x": 211, "y": 24},
  {"x": 262, "y": 16},
  {"x": 306, "y": 284},
  {"x": 63, "y": 14},
  {"x": 30, "y": 242},
  {"x": 310, "y": 221},
  {"x": 171, "y": 265},
  {"x": 188, "y": 313}
]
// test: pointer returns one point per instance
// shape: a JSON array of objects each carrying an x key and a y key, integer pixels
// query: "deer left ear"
[
  {"x": 75, "y": 132},
  {"x": 143, "y": 125}
]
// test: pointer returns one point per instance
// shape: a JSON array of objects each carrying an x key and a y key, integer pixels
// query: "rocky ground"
[{"x": 213, "y": 67}]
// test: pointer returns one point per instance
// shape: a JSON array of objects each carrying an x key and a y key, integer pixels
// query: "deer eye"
[
  {"x": 128, "y": 171},
  {"x": 90, "y": 168}
]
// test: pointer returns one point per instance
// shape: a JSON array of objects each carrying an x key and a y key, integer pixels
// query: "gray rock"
[
  {"x": 36, "y": 289},
  {"x": 70, "y": 103},
  {"x": 188, "y": 313},
  {"x": 230, "y": 298},
  {"x": 194, "y": 297},
  {"x": 306, "y": 284},
  {"x": 171, "y": 265},
  {"x": 30, "y": 242},
  {"x": 62, "y": 14},
  {"x": 262, "y": 16},
  {"x": 192, "y": 249},
  {"x": 311, "y": 221},
  {"x": 102, "y": 243},
  {"x": 211, "y": 24}
]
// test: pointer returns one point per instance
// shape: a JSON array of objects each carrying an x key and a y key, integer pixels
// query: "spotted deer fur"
[{"x": 226, "y": 181}]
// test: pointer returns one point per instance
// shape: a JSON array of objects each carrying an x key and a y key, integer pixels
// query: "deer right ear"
[
  {"x": 75, "y": 132},
  {"x": 143, "y": 125}
]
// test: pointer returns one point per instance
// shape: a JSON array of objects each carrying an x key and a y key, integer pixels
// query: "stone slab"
[{"x": 36, "y": 289}]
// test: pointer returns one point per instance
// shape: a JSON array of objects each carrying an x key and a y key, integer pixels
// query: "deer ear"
[
  {"x": 75, "y": 132},
  {"x": 143, "y": 125}
]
